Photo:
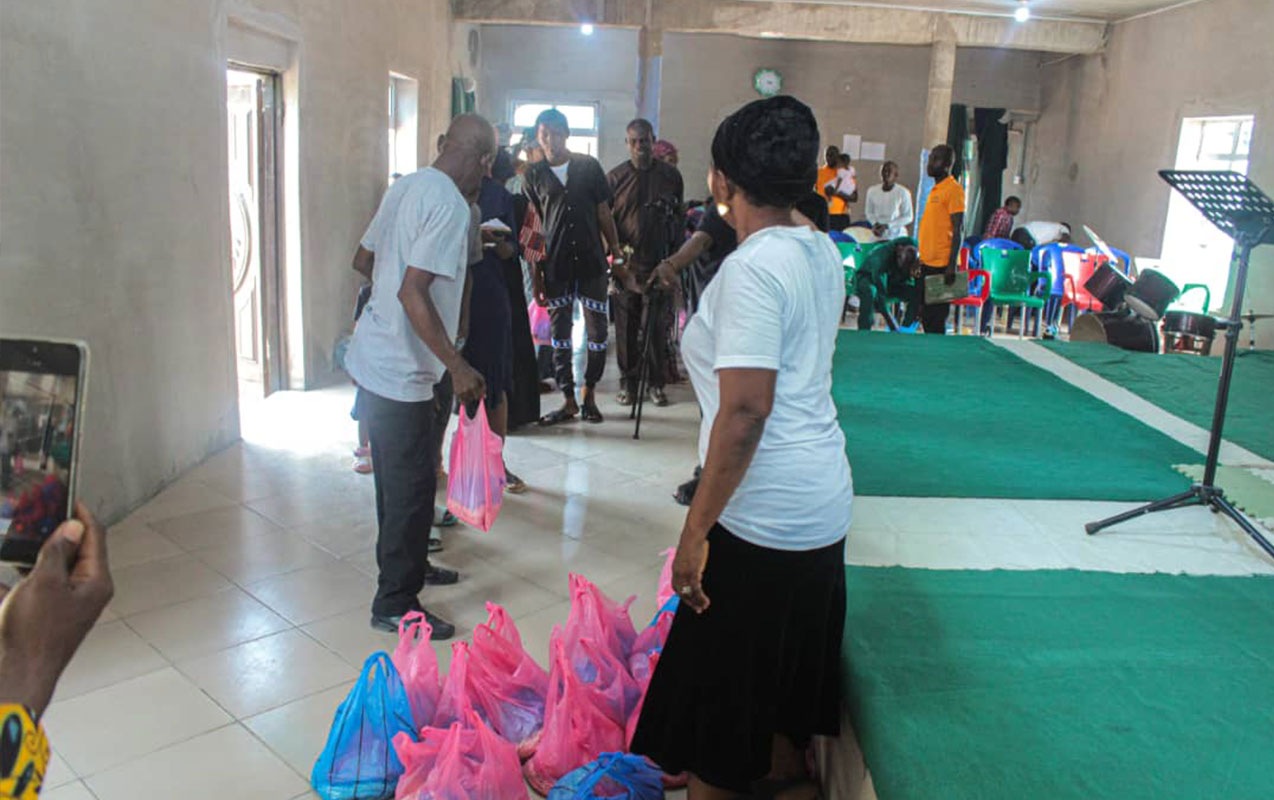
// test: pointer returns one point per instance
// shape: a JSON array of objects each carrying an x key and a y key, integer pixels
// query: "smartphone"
[{"x": 42, "y": 384}]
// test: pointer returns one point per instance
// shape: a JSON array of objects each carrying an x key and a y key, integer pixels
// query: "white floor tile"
[
  {"x": 135, "y": 542},
  {"x": 297, "y": 731},
  {"x": 69, "y": 791},
  {"x": 253, "y": 559},
  {"x": 58, "y": 772},
  {"x": 315, "y": 593},
  {"x": 266, "y": 673},
  {"x": 351, "y": 636},
  {"x": 197, "y": 627},
  {"x": 186, "y": 496},
  {"x": 125, "y": 721},
  {"x": 111, "y": 653},
  {"x": 156, "y": 584},
  {"x": 215, "y": 528},
  {"x": 225, "y": 763}
]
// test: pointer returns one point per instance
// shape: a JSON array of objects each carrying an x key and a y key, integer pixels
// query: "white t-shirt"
[
  {"x": 846, "y": 180},
  {"x": 422, "y": 222},
  {"x": 560, "y": 171},
  {"x": 776, "y": 304},
  {"x": 891, "y": 209},
  {"x": 1045, "y": 232}
]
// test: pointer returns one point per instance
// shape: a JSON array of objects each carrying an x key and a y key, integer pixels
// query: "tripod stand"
[
  {"x": 1236, "y": 206},
  {"x": 655, "y": 299}
]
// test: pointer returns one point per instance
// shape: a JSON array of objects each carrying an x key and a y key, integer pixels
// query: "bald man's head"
[{"x": 467, "y": 152}]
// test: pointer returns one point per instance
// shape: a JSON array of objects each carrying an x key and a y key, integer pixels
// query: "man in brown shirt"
[{"x": 647, "y": 204}]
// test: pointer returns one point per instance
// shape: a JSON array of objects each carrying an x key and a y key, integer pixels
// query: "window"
[
  {"x": 1194, "y": 250},
  {"x": 583, "y": 119},
  {"x": 404, "y": 96}
]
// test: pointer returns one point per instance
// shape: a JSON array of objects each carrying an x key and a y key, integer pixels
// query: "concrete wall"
[
  {"x": 113, "y": 212},
  {"x": 536, "y": 63},
  {"x": 877, "y": 91},
  {"x": 1111, "y": 121}
]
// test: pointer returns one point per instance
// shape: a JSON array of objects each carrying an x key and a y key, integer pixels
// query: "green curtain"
[
  {"x": 462, "y": 102},
  {"x": 958, "y": 136}
]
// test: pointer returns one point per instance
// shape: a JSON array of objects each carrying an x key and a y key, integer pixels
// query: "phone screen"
[{"x": 39, "y": 404}]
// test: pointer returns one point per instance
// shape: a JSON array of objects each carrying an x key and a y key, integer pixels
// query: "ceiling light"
[
  {"x": 586, "y": 29},
  {"x": 1022, "y": 13}
]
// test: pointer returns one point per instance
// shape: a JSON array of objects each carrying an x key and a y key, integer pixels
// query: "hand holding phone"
[{"x": 42, "y": 385}]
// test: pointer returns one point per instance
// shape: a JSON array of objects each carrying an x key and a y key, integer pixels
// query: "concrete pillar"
[
  {"x": 650, "y": 57},
  {"x": 941, "y": 80}
]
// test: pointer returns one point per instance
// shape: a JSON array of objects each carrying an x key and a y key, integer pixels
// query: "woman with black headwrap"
[{"x": 751, "y": 669}]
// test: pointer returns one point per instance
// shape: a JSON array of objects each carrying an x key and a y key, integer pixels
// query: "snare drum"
[
  {"x": 1108, "y": 285},
  {"x": 1119, "y": 328},
  {"x": 1151, "y": 295}
]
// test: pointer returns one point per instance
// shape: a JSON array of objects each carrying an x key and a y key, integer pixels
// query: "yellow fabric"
[
  {"x": 935, "y": 231},
  {"x": 827, "y": 175},
  {"x": 25, "y": 754}
]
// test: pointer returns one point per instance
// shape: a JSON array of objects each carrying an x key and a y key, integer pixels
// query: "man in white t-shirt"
[
  {"x": 415, "y": 252},
  {"x": 889, "y": 205}
]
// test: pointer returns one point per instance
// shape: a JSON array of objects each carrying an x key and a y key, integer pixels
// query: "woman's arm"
[
  {"x": 666, "y": 271},
  {"x": 747, "y": 398}
]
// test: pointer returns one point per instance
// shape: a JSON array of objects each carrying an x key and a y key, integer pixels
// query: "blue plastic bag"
[
  {"x": 358, "y": 762},
  {"x": 613, "y": 776}
]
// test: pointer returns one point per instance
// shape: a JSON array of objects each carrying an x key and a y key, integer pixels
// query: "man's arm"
[
  {"x": 906, "y": 214},
  {"x": 427, "y": 323},
  {"x": 666, "y": 271},
  {"x": 364, "y": 262},
  {"x": 957, "y": 237},
  {"x": 606, "y": 221}
]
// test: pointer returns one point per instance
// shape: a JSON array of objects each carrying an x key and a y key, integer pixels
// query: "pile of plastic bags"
[{"x": 499, "y": 721}]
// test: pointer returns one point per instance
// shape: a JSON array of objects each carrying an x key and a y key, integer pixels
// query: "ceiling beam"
[{"x": 798, "y": 20}]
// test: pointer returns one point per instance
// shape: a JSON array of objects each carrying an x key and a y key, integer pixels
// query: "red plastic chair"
[
  {"x": 974, "y": 300},
  {"x": 1074, "y": 295}
]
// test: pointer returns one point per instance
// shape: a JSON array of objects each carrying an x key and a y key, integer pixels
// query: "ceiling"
[{"x": 1061, "y": 9}]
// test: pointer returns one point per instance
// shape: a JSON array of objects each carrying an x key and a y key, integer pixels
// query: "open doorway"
[
  {"x": 1195, "y": 250},
  {"x": 252, "y": 146}
]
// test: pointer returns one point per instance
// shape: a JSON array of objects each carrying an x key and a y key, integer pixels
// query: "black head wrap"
[{"x": 769, "y": 149}]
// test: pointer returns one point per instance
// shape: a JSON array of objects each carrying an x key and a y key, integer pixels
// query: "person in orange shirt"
[
  {"x": 940, "y": 234},
  {"x": 829, "y": 187}
]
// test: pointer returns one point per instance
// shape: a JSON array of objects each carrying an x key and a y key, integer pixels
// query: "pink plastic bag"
[
  {"x": 475, "y": 482},
  {"x": 665, "y": 592},
  {"x": 500, "y": 623},
  {"x": 605, "y": 677},
  {"x": 506, "y": 685},
  {"x": 462, "y": 763},
  {"x": 651, "y": 639},
  {"x": 595, "y": 616},
  {"x": 576, "y": 731},
  {"x": 417, "y": 663},
  {"x": 541, "y": 327},
  {"x": 456, "y": 702}
]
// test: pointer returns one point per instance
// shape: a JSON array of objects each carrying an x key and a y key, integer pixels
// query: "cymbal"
[{"x": 1252, "y": 316}]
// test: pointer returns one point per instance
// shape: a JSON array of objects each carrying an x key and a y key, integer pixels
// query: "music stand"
[{"x": 1236, "y": 206}]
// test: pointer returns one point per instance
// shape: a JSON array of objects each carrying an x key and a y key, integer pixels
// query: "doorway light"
[
  {"x": 586, "y": 29},
  {"x": 1023, "y": 12}
]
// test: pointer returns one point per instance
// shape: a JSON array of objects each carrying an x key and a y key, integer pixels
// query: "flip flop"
[
  {"x": 556, "y": 418},
  {"x": 591, "y": 414}
]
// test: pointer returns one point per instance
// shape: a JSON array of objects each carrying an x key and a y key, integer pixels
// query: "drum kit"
[{"x": 1137, "y": 315}]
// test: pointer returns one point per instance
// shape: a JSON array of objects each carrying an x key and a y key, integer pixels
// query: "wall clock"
[{"x": 768, "y": 82}]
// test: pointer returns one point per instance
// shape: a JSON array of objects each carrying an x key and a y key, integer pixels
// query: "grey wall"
[
  {"x": 113, "y": 203},
  {"x": 1111, "y": 121},
  {"x": 877, "y": 91},
  {"x": 536, "y": 63}
]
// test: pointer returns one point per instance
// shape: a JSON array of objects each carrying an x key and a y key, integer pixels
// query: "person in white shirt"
[
  {"x": 763, "y": 541},
  {"x": 1043, "y": 232},
  {"x": 416, "y": 253},
  {"x": 889, "y": 208}
]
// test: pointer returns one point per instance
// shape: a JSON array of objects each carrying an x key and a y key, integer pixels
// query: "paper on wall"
[
  {"x": 852, "y": 144},
  {"x": 873, "y": 151}
]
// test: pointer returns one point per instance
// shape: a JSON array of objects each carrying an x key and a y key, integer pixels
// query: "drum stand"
[
  {"x": 1236, "y": 206},
  {"x": 654, "y": 316}
]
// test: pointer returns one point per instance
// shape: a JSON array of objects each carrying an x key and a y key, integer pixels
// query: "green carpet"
[
  {"x": 1186, "y": 386},
  {"x": 1061, "y": 684},
  {"x": 1250, "y": 492},
  {"x": 956, "y": 416}
]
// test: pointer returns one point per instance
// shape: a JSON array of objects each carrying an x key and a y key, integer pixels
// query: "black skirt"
[{"x": 764, "y": 659}]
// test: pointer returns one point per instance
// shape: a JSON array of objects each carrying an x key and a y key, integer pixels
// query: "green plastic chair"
[{"x": 1011, "y": 282}]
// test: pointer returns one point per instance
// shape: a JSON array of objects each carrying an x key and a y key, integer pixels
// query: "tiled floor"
[{"x": 242, "y": 591}]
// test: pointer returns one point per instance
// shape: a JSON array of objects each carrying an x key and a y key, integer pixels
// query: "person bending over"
[
  {"x": 762, "y": 547},
  {"x": 940, "y": 235},
  {"x": 572, "y": 198},
  {"x": 889, "y": 271}
]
